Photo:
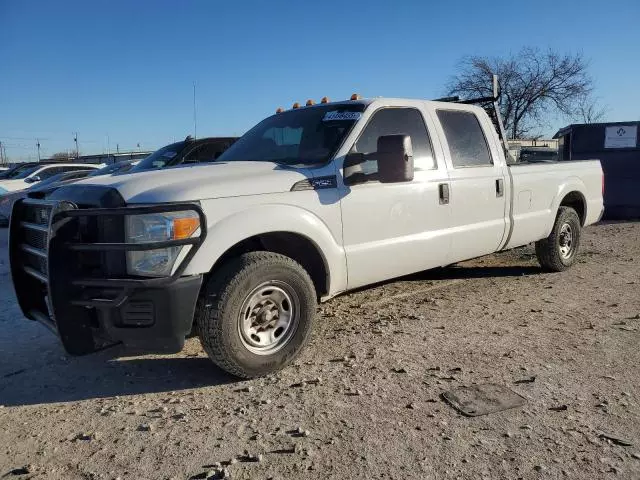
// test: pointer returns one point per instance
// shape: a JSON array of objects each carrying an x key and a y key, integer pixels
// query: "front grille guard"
[{"x": 61, "y": 212}]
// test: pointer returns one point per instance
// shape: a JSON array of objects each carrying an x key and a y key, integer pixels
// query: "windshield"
[
  {"x": 24, "y": 173},
  {"x": 60, "y": 177},
  {"x": 16, "y": 170},
  {"x": 113, "y": 168},
  {"x": 9, "y": 173},
  {"x": 303, "y": 136},
  {"x": 160, "y": 158}
]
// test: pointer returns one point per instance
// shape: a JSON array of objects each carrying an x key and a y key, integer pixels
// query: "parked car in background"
[
  {"x": 6, "y": 200},
  {"x": 38, "y": 173},
  {"x": 17, "y": 169},
  {"x": 188, "y": 151},
  {"x": 538, "y": 154},
  {"x": 120, "y": 167}
]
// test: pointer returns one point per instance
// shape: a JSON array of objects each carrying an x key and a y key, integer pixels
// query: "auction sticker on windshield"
[{"x": 336, "y": 115}]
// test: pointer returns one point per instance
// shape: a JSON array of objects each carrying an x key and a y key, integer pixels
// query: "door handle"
[
  {"x": 499, "y": 187},
  {"x": 443, "y": 193}
]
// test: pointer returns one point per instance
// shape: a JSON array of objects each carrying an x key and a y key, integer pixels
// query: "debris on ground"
[{"x": 482, "y": 399}]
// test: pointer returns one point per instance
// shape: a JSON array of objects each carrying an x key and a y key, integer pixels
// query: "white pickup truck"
[{"x": 310, "y": 203}]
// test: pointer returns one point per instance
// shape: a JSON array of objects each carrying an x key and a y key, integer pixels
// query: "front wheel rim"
[
  {"x": 566, "y": 241},
  {"x": 269, "y": 317}
]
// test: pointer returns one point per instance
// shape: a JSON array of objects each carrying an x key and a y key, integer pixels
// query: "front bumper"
[
  {"x": 153, "y": 319},
  {"x": 69, "y": 272}
]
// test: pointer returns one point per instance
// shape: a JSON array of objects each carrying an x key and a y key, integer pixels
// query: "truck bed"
[{"x": 538, "y": 188}]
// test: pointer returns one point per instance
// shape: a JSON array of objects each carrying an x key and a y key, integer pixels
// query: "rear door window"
[{"x": 467, "y": 143}]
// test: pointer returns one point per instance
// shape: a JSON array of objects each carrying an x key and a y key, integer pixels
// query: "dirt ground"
[{"x": 364, "y": 400}]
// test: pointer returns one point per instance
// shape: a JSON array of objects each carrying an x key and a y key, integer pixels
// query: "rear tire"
[
  {"x": 256, "y": 314},
  {"x": 558, "y": 251}
]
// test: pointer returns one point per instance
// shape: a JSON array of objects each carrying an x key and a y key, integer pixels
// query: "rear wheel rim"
[
  {"x": 269, "y": 317},
  {"x": 566, "y": 241}
]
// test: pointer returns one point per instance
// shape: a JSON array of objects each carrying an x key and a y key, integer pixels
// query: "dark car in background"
[
  {"x": 188, "y": 151},
  {"x": 538, "y": 154},
  {"x": 120, "y": 167}
]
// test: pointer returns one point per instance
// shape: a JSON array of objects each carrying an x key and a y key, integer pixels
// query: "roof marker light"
[
  {"x": 296, "y": 105},
  {"x": 310, "y": 103},
  {"x": 324, "y": 100},
  {"x": 279, "y": 110},
  {"x": 355, "y": 96}
]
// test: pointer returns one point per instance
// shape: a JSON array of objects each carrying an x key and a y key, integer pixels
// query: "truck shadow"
[
  {"x": 456, "y": 272},
  {"x": 459, "y": 272},
  {"x": 37, "y": 371},
  {"x": 101, "y": 375}
]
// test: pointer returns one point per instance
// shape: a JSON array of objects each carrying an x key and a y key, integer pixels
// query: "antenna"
[{"x": 195, "y": 121}]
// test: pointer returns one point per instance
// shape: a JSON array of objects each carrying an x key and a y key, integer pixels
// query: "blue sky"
[{"x": 123, "y": 71}]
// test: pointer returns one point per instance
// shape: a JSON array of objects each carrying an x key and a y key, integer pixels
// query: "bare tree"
[
  {"x": 589, "y": 110},
  {"x": 534, "y": 86}
]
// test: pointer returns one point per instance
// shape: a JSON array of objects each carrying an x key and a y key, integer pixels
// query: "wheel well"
[
  {"x": 292, "y": 245},
  {"x": 576, "y": 201}
]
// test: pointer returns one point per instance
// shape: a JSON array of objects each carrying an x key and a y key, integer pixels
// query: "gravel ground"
[{"x": 364, "y": 400}]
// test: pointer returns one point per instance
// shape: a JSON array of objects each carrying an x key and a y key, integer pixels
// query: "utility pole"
[
  {"x": 38, "y": 145},
  {"x": 1, "y": 154},
  {"x": 117, "y": 148},
  {"x": 75, "y": 139}
]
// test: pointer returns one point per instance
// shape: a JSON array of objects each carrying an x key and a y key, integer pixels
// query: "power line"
[{"x": 21, "y": 138}]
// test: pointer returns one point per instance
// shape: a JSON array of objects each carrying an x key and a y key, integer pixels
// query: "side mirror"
[
  {"x": 395, "y": 158},
  {"x": 33, "y": 179}
]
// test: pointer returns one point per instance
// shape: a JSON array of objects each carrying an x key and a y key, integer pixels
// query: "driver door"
[{"x": 394, "y": 229}]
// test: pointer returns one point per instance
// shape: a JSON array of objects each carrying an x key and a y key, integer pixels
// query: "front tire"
[
  {"x": 558, "y": 251},
  {"x": 256, "y": 313}
]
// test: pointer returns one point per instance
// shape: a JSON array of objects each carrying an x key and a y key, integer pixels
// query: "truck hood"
[{"x": 199, "y": 182}]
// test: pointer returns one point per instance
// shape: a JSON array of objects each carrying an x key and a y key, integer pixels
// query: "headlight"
[{"x": 158, "y": 227}]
